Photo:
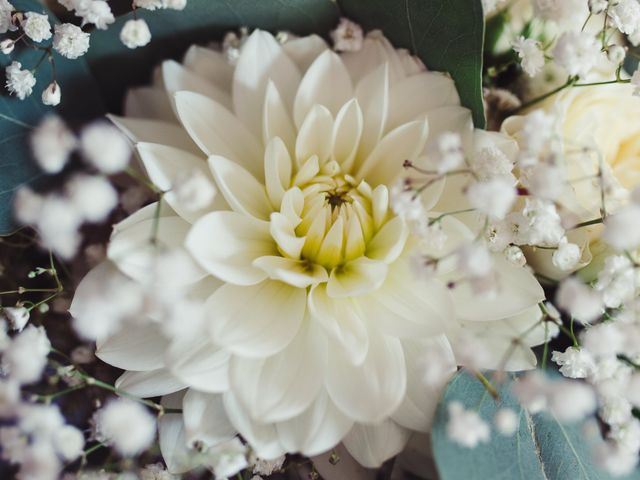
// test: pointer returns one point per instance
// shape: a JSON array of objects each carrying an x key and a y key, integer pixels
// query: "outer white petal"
[
  {"x": 316, "y": 430},
  {"x": 149, "y": 102},
  {"x": 164, "y": 164},
  {"x": 421, "y": 400},
  {"x": 256, "y": 321},
  {"x": 205, "y": 419},
  {"x": 327, "y": 83},
  {"x": 262, "y": 60},
  {"x": 384, "y": 164},
  {"x": 240, "y": 188},
  {"x": 372, "y": 445},
  {"x": 135, "y": 254},
  {"x": 135, "y": 347},
  {"x": 210, "y": 65},
  {"x": 451, "y": 119},
  {"x": 357, "y": 277},
  {"x": 343, "y": 321},
  {"x": 372, "y": 93},
  {"x": 176, "y": 78},
  {"x": 173, "y": 444},
  {"x": 304, "y": 50},
  {"x": 381, "y": 380},
  {"x": 282, "y": 386},
  {"x": 153, "y": 383},
  {"x": 148, "y": 212},
  {"x": 415, "y": 96},
  {"x": 154, "y": 131},
  {"x": 276, "y": 121},
  {"x": 404, "y": 307},
  {"x": 262, "y": 437},
  {"x": 497, "y": 340},
  {"x": 197, "y": 362},
  {"x": 217, "y": 131},
  {"x": 226, "y": 244},
  {"x": 376, "y": 50},
  {"x": 518, "y": 291}
]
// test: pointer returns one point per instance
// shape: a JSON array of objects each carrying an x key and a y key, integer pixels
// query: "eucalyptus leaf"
[
  {"x": 541, "y": 448},
  {"x": 447, "y": 35},
  {"x": 116, "y": 67},
  {"x": 81, "y": 101}
]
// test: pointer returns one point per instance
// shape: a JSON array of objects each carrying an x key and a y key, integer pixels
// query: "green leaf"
[
  {"x": 541, "y": 449},
  {"x": 116, "y": 67},
  {"x": 18, "y": 117},
  {"x": 446, "y": 34}
]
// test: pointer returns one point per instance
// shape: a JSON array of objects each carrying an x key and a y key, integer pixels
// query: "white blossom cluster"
[{"x": 66, "y": 39}]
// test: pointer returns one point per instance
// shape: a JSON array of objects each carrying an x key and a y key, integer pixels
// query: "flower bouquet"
[{"x": 315, "y": 239}]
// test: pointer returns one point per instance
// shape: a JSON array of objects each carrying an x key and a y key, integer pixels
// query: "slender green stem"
[
  {"x": 545, "y": 352},
  {"x": 455, "y": 212},
  {"x": 608, "y": 82},
  {"x": 530, "y": 103},
  {"x": 595, "y": 221},
  {"x": 487, "y": 384}
]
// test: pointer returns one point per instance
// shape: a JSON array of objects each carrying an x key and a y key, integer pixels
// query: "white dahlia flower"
[{"x": 300, "y": 325}]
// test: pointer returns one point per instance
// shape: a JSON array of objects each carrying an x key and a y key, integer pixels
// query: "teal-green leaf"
[
  {"x": 81, "y": 101},
  {"x": 541, "y": 449},
  {"x": 447, "y": 35},
  {"x": 116, "y": 67}
]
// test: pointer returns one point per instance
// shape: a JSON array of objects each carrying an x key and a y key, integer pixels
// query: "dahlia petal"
[
  {"x": 154, "y": 131},
  {"x": 417, "y": 95},
  {"x": 172, "y": 440},
  {"x": 518, "y": 291},
  {"x": 276, "y": 120},
  {"x": 297, "y": 273},
  {"x": 405, "y": 308},
  {"x": 262, "y": 59},
  {"x": 282, "y": 386},
  {"x": 226, "y": 243},
  {"x": 384, "y": 163},
  {"x": 419, "y": 404},
  {"x": 347, "y": 131},
  {"x": 277, "y": 170},
  {"x": 356, "y": 245},
  {"x": 381, "y": 379},
  {"x": 262, "y": 437},
  {"x": 149, "y": 102},
  {"x": 292, "y": 205},
  {"x": 258, "y": 320},
  {"x": 497, "y": 340},
  {"x": 210, "y": 65},
  {"x": 164, "y": 164},
  {"x": 327, "y": 83},
  {"x": 319, "y": 428},
  {"x": 205, "y": 419},
  {"x": 372, "y": 93},
  {"x": 330, "y": 252},
  {"x": 199, "y": 363},
  {"x": 136, "y": 347},
  {"x": 372, "y": 445},
  {"x": 357, "y": 277},
  {"x": 342, "y": 320},
  {"x": 307, "y": 171},
  {"x": 283, "y": 232},
  {"x": 379, "y": 206},
  {"x": 135, "y": 254},
  {"x": 376, "y": 50},
  {"x": 219, "y": 132},
  {"x": 176, "y": 78},
  {"x": 153, "y": 210},
  {"x": 314, "y": 137},
  {"x": 388, "y": 243},
  {"x": 240, "y": 189},
  {"x": 153, "y": 383},
  {"x": 451, "y": 119},
  {"x": 304, "y": 50}
]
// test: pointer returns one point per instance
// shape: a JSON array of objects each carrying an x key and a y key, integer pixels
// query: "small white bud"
[
  {"x": 616, "y": 54},
  {"x": 52, "y": 94},
  {"x": 7, "y": 46},
  {"x": 135, "y": 33}
]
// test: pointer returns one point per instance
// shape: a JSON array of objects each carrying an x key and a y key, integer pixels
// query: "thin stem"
[
  {"x": 608, "y": 82},
  {"x": 487, "y": 385},
  {"x": 588, "y": 223},
  {"x": 570, "y": 81},
  {"x": 455, "y": 212}
]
